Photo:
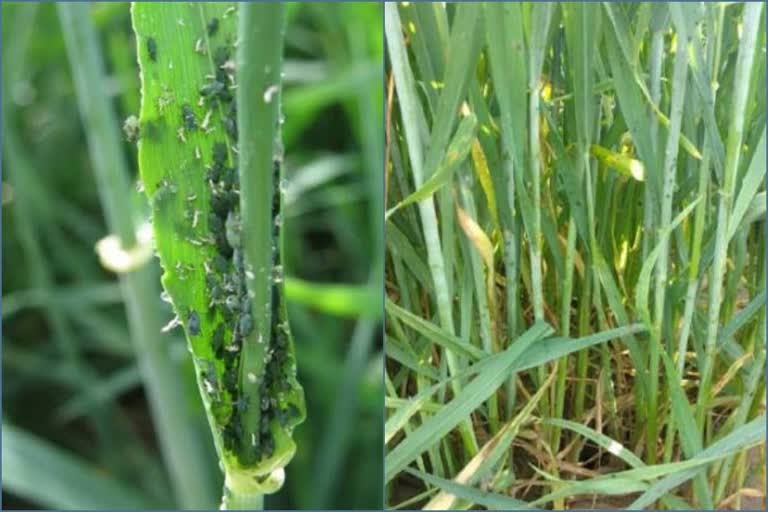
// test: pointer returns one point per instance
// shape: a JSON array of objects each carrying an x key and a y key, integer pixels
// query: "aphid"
[
  {"x": 210, "y": 382},
  {"x": 268, "y": 447},
  {"x": 220, "y": 264},
  {"x": 232, "y": 303},
  {"x": 217, "y": 340},
  {"x": 241, "y": 404},
  {"x": 216, "y": 293},
  {"x": 213, "y": 27},
  {"x": 230, "y": 125},
  {"x": 152, "y": 48},
  {"x": 213, "y": 89},
  {"x": 238, "y": 260},
  {"x": 264, "y": 425},
  {"x": 229, "y": 439},
  {"x": 191, "y": 197},
  {"x": 190, "y": 122},
  {"x": 131, "y": 128},
  {"x": 245, "y": 324},
  {"x": 214, "y": 172},
  {"x": 180, "y": 134},
  {"x": 223, "y": 247},
  {"x": 193, "y": 323},
  {"x": 281, "y": 339},
  {"x": 198, "y": 155},
  {"x": 230, "y": 177},
  {"x": 219, "y": 153},
  {"x": 230, "y": 381},
  {"x": 163, "y": 191},
  {"x": 221, "y": 56},
  {"x": 215, "y": 224}
]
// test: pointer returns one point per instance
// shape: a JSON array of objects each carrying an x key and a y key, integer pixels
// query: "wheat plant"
[
  {"x": 103, "y": 369},
  {"x": 575, "y": 255}
]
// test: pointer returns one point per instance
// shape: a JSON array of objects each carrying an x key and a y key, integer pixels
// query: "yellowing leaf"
[
  {"x": 622, "y": 163},
  {"x": 483, "y": 245},
  {"x": 484, "y": 175}
]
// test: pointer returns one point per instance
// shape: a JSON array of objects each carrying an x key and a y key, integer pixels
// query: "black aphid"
[
  {"x": 232, "y": 303},
  {"x": 245, "y": 325},
  {"x": 222, "y": 247},
  {"x": 241, "y": 404},
  {"x": 264, "y": 426},
  {"x": 193, "y": 323},
  {"x": 268, "y": 447},
  {"x": 215, "y": 224},
  {"x": 231, "y": 177},
  {"x": 230, "y": 379},
  {"x": 221, "y": 56},
  {"x": 217, "y": 341},
  {"x": 238, "y": 261},
  {"x": 230, "y": 124},
  {"x": 220, "y": 264},
  {"x": 213, "y": 27},
  {"x": 219, "y": 153},
  {"x": 217, "y": 88},
  {"x": 188, "y": 115},
  {"x": 214, "y": 172},
  {"x": 152, "y": 48},
  {"x": 210, "y": 381}
]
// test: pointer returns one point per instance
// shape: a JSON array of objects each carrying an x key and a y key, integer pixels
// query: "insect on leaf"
[{"x": 188, "y": 161}]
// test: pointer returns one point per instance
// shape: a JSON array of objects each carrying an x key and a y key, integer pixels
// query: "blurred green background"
[{"x": 77, "y": 431}]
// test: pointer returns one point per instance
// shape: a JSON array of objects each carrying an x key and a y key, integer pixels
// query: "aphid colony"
[{"x": 229, "y": 304}]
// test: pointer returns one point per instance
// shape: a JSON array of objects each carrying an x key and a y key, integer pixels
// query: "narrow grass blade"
[
  {"x": 38, "y": 471},
  {"x": 748, "y": 435},
  {"x": 750, "y": 185},
  {"x": 415, "y": 404},
  {"x": 474, "y": 394},
  {"x": 598, "y": 438},
  {"x": 359, "y": 301},
  {"x": 433, "y": 332},
  {"x": 644, "y": 280},
  {"x": 492, "y": 501},
  {"x": 554, "y": 348},
  {"x": 490, "y": 454},
  {"x": 455, "y": 155}
]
